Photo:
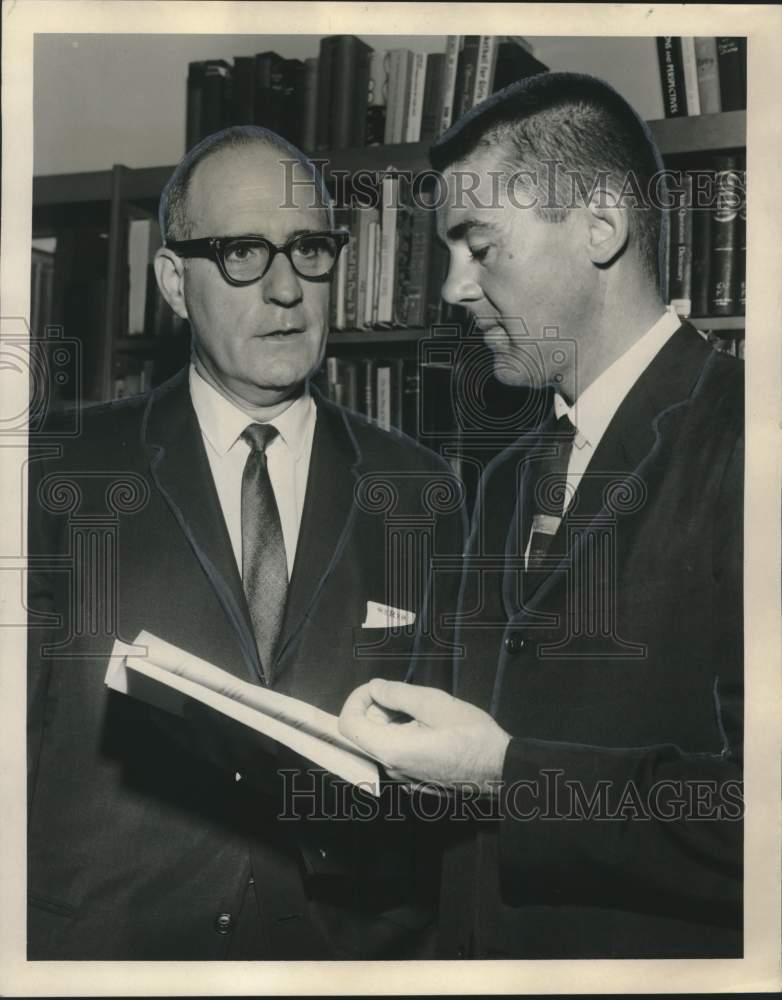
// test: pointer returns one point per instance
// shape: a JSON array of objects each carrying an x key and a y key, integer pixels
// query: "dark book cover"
[
  {"x": 195, "y": 85},
  {"x": 366, "y": 389},
  {"x": 514, "y": 62},
  {"x": 413, "y": 310},
  {"x": 680, "y": 255},
  {"x": 433, "y": 96},
  {"x": 310, "y": 105},
  {"x": 292, "y": 98},
  {"x": 215, "y": 96},
  {"x": 404, "y": 274},
  {"x": 701, "y": 261},
  {"x": 669, "y": 56},
  {"x": 410, "y": 392},
  {"x": 268, "y": 88},
  {"x": 326, "y": 70},
  {"x": 351, "y": 277},
  {"x": 465, "y": 75},
  {"x": 731, "y": 60},
  {"x": 723, "y": 282},
  {"x": 243, "y": 91},
  {"x": 360, "y": 103}
]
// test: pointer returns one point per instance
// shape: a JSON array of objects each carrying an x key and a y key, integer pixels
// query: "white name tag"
[{"x": 384, "y": 616}]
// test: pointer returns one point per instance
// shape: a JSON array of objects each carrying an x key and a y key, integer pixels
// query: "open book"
[{"x": 165, "y": 676}]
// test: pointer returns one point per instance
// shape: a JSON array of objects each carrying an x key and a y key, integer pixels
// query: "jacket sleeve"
[{"x": 652, "y": 827}]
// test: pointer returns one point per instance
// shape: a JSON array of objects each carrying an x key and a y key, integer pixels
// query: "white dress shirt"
[
  {"x": 288, "y": 458},
  {"x": 596, "y": 406}
]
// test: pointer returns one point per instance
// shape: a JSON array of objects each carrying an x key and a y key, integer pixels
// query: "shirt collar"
[
  {"x": 595, "y": 407},
  {"x": 223, "y": 422}
]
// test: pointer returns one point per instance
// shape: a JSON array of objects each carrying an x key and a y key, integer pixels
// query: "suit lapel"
[
  {"x": 180, "y": 469},
  {"x": 634, "y": 435},
  {"x": 327, "y": 517}
]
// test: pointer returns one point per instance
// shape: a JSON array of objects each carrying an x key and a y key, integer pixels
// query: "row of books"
[
  {"x": 352, "y": 95},
  {"x": 385, "y": 391},
  {"x": 702, "y": 76},
  {"x": 391, "y": 271},
  {"x": 706, "y": 249}
]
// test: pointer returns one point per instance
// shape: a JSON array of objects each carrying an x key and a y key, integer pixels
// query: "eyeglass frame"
[{"x": 211, "y": 248}]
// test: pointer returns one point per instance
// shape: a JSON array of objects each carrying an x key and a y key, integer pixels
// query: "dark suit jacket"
[
  {"x": 624, "y": 667},
  {"x": 141, "y": 840}
]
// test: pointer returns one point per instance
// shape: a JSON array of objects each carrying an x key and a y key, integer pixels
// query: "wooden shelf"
[
  {"x": 356, "y": 338},
  {"x": 673, "y": 135},
  {"x": 700, "y": 133},
  {"x": 718, "y": 322}
]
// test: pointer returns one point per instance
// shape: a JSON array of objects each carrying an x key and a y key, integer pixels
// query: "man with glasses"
[{"x": 256, "y": 544}]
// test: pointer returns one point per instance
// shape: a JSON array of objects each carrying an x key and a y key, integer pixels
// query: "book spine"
[
  {"x": 680, "y": 259},
  {"x": 383, "y": 396},
  {"x": 360, "y": 99},
  {"x": 433, "y": 96},
  {"x": 468, "y": 65},
  {"x": 484, "y": 71},
  {"x": 690, "y": 74},
  {"x": 349, "y": 376},
  {"x": 422, "y": 239},
  {"x": 243, "y": 91},
  {"x": 701, "y": 260},
  {"x": 367, "y": 403},
  {"x": 449, "y": 83},
  {"x": 323, "y": 135},
  {"x": 731, "y": 74},
  {"x": 343, "y": 80},
  {"x": 195, "y": 96},
  {"x": 350, "y": 253},
  {"x": 215, "y": 94},
  {"x": 708, "y": 75},
  {"x": 397, "y": 96},
  {"x": 309, "y": 129},
  {"x": 669, "y": 55},
  {"x": 390, "y": 195},
  {"x": 371, "y": 264},
  {"x": 376, "y": 279},
  {"x": 416, "y": 97},
  {"x": 377, "y": 97},
  {"x": 723, "y": 280},
  {"x": 397, "y": 376}
]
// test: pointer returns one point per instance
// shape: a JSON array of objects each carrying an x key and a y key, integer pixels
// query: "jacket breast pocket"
[{"x": 383, "y": 652}]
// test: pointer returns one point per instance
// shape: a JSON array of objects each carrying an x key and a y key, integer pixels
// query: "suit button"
[
  {"x": 514, "y": 643},
  {"x": 224, "y": 923}
]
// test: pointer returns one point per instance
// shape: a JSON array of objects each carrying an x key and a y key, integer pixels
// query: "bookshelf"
[{"x": 98, "y": 205}]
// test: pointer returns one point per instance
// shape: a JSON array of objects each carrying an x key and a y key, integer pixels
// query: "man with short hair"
[
  {"x": 599, "y": 697},
  {"x": 244, "y": 521}
]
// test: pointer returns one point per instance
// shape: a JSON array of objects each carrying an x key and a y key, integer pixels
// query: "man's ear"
[
  {"x": 608, "y": 230},
  {"x": 170, "y": 274}
]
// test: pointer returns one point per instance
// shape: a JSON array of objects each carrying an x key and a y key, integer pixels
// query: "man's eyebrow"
[
  {"x": 291, "y": 236},
  {"x": 460, "y": 230}
]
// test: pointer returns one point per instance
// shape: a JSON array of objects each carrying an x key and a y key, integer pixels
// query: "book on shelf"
[
  {"x": 680, "y": 251},
  {"x": 377, "y": 388},
  {"x": 399, "y": 75},
  {"x": 309, "y": 120},
  {"x": 669, "y": 57},
  {"x": 702, "y": 75},
  {"x": 433, "y": 96},
  {"x": 690, "y": 76},
  {"x": 724, "y": 267},
  {"x": 732, "y": 65},
  {"x": 708, "y": 75},
  {"x": 377, "y": 97},
  {"x": 450, "y": 72},
  {"x": 415, "y": 97},
  {"x": 162, "y": 675}
]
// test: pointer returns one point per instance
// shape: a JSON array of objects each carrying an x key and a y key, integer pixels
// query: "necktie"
[
  {"x": 550, "y": 495},
  {"x": 264, "y": 565}
]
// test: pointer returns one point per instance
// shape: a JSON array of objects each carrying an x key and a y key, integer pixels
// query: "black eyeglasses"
[{"x": 243, "y": 260}]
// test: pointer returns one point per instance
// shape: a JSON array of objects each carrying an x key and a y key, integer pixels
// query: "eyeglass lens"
[{"x": 311, "y": 256}]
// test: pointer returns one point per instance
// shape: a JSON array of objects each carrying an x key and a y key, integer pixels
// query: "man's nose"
[
  {"x": 281, "y": 285},
  {"x": 460, "y": 287}
]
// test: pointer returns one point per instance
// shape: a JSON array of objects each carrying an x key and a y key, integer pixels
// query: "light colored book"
[
  {"x": 708, "y": 75},
  {"x": 388, "y": 221},
  {"x": 415, "y": 101},
  {"x": 162, "y": 675},
  {"x": 484, "y": 71},
  {"x": 452, "y": 47},
  {"x": 383, "y": 391},
  {"x": 690, "y": 64},
  {"x": 398, "y": 78}
]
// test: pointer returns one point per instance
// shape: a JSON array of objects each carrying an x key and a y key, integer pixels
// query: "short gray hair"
[{"x": 172, "y": 213}]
